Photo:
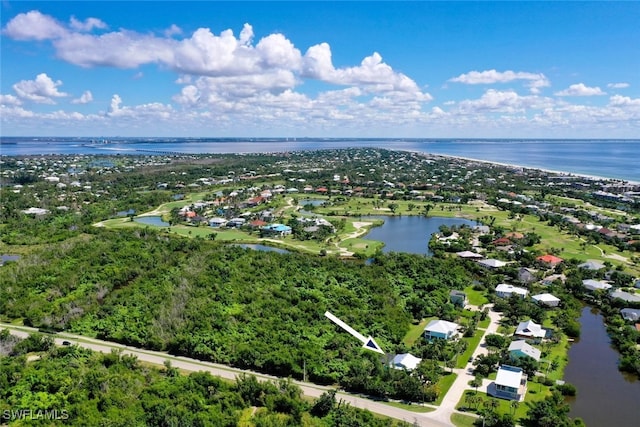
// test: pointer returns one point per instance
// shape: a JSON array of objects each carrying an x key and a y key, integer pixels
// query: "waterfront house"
[
  {"x": 504, "y": 290},
  {"x": 521, "y": 348},
  {"x": 510, "y": 383},
  {"x": 631, "y": 314},
  {"x": 595, "y": 285},
  {"x": 625, "y": 296},
  {"x": 458, "y": 298},
  {"x": 530, "y": 330},
  {"x": 405, "y": 361},
  {"x": 546, "y": 299},
  {"x": 441, "y": 329}
]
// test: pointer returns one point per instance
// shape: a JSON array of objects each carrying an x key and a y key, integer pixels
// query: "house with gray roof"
[
  {"x": 631, "y": 314},
  {"x": 595, "y": 285},
  {"x": 625, "y": 296},
  {"x": 521, "y": 348}
]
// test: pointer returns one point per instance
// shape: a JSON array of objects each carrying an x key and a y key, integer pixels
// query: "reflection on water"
[
  {"x": 606, "y": 396},
  {"x": 151, "y": 220}
]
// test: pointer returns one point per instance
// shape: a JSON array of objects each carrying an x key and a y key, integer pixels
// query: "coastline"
[{"x": 534, "y": 168}]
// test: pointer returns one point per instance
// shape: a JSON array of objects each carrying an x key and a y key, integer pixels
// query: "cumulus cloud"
[
  {"x": 618, "y": 85},
  {"x": 580, "y": 89},
  {"x": 503, "y": 101},
  {"x": 41, "y": 90},
  {"x": 34, "y": 25},
  {"x": 624, "y": 101},
  {"x": 535, "y": 81},
  {"x": 172, "y": 30},
  {"x": 88, "y": 25},
  {"x": 85, "y": 98},
  {"x": 10, "y": 100}
]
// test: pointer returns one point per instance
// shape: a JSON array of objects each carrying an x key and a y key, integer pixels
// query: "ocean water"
[{"x": 619, "y": 159}]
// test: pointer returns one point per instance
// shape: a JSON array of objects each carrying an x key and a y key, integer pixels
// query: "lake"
[
  {"x": 151, "y": 220},
  {"x": 410, "y": 233},
  {"x": 606, "y": 396},
  {"x": 263, "y": 248}
]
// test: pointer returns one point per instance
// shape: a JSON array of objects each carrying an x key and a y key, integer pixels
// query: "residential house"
[
  {"x": 217, "y": 222},
  {"x": 547, "y": 281},
  {"x": 458, "y": 298},
  {"x": 236, "y": 222},
  {"x": 526, "y": 275},
  {"x": 625, "y": 296},
  {"x": 492, "y": 263},
  {"x": 510, "y": 383},
  {"x": 595, "y": 285},
  {"x": 546, "y": 299},
  {"x": 592, "y": 265},
  {"x": 276, "y": 230},
  {"x": 504, "y": 290},
  {"x": 441, "y": 329},
  {"x": 521, "y": 348},
  {"x": 530, "y": 330},
  {"x": 469, "y": 255},
  {"x": 405, "y": 361},
  {"x": 549, "y": 260},
  {"x": 631, "y": 314}
]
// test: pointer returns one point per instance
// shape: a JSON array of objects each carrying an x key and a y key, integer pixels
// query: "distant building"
[
  {"x": 492, "y": 263},
  {"x": 592, "y": 265},
  {"x": 440, "y": 329},
  {"x": 549, "y": 260},
  {"x": 625, "y": 296}
]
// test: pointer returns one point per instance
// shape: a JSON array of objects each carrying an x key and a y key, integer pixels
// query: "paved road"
[{"x": 187, "y": 364}]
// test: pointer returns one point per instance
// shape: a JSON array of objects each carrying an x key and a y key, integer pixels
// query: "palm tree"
[{"x": 514, "y": 406}]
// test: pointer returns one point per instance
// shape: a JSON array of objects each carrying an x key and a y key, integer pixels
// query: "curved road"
[{"x": 193, "y": 365}]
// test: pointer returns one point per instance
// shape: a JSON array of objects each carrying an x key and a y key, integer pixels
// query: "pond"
[
  {"x": 410, "y": 233},
  {"x": 264, "y": 248},
  {"x": 151, "y": 220},
  {"x": 314, "y": 202},
  {"x": 606, "y": 396}
]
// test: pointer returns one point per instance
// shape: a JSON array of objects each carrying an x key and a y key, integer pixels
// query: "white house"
[
  {"x": 625, "y": 296},
  {"x": 504, "y": 290},
  {"x": 632, "y": 314},
  {"x": 594, "y": 285},
  {"x": 405, "y": 361},
  {"x": 530, "y": 330},
  {"x": 440, "y": 329},
  {"x": 521, "y": 348},
  {"x": 510, "y": 383},
  {"x": 492, "y": 263},
  {"x": 546, "y": 299}
]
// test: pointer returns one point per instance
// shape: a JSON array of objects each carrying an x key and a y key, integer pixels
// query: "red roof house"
[{"x": 550, "y": 260}]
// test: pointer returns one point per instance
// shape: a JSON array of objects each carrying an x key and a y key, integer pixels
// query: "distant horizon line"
[{"x": 312, "y": 138}]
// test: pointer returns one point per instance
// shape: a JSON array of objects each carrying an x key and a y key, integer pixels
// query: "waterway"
[
  {"x": 410, "y": 233},
  {"x": 606, "y": 396},
  {"x": 263, "y": 248}
]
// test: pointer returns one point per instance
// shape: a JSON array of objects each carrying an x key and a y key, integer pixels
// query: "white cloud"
[
  {"x": 624, "y": 101},
  {"x": 580, "y": 89},
  {"x": 10, "y": 100},
  {"x": 86, "y": 26},
  {"x": 172, "y": 30},
  {"x": 503, "y": 101},
  {"x": 41, "y": 90},
  {"x": 34, "y": 26},
  {"x": 85, "y": 98},
  {"x": 535, "y": 81},
  {"x": 618, "y": 85}
]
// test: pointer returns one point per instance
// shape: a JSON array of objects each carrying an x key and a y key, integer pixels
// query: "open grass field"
[
  {"x": 415, "y": 331},
  {"x": 444, "y": 384},
  {"x": 461, "y": 420}
]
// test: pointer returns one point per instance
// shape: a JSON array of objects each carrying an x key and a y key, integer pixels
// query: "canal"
[{"x": 606, "y": 396}]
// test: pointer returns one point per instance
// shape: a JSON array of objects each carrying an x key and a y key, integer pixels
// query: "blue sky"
[{"x": 326, "y": 69}]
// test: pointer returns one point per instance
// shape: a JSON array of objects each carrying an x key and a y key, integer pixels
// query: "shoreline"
[{"x": 535, "y": 168}]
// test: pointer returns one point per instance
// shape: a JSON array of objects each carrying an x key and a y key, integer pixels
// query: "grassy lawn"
[
  {"x": 415, "y": 331},
  {"x": 460, "y": 420},
  {"x": 413, "y": 408},
  {"x": 535, "y": 392},
  {"x": 444, "y": 384},
  {"x": 472, "y": 343},
  {"x": 476, "y": 298}
]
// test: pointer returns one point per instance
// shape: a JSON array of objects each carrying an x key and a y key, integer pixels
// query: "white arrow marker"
[{"x": 368, "y": 343}]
